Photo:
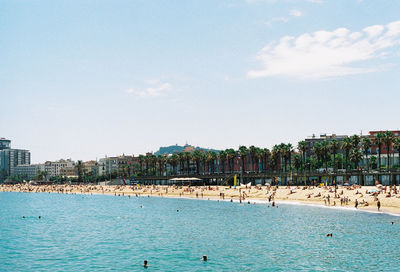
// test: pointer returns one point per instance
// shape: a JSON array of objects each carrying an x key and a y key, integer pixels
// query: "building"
[
  {"x": 311, "y": 141},
  {"x": 28, "y": 171},
  {"x": 10, "y": 158},
  {"x": 5, "y": 144},
  {"x": 54, "y": 168},
  {"x": 69, "y": 172},
  {"x": 91, "y": 167},
  {"x": 108, "y": 165}
]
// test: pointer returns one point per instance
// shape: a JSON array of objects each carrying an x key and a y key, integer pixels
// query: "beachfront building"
[
  {"x": 108, "y": 165},
  {"x": 69, "y": 172},
  {"x": 5, "y": 144},
  {"x": 91, "y": 167},
  {"x": 28, "y": 171},
  {"x": 11, "y": 158},
  {"x": 54, "y": 168}
]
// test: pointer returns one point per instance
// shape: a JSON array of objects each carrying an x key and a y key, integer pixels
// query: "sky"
[{"x": 85, "y": 79}]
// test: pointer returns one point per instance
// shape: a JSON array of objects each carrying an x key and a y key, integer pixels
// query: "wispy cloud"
[
  {"x": 284, "y": 19},
  {"x": 324, "y": 54},
  {"x": 154, "y": 88},
  {"x": 296, "y": 13}
]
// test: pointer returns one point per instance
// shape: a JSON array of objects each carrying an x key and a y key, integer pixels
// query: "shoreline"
[{"x": 323, "y": 197}]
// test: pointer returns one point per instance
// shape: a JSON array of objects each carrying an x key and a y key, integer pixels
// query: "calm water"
[{"x": 108, "y": 233}]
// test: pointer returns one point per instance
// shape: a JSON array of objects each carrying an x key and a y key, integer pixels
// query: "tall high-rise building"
[{"x": 10, "y": 158}]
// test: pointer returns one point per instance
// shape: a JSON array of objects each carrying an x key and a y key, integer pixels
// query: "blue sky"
[{"x": 81, "y": 79}]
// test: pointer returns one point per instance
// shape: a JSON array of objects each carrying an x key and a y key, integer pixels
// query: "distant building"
[
  {"x": 54, "y": 168},
  {"x": 69, "y": 172},
  {"x": 5, "y": 144},
  {"x": 91, "y": 167},
  {"x": 10, "y": 158},
  {"x": 311, "y": 141},
  {"x": 28, "y": 171}
]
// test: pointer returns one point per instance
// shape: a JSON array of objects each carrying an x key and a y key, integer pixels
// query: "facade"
[
  {"x": 28, "y": 171},
  {"x": 91, "y": 167},
  {"x": 323, "y": 137},
  {"x": 69, "y": 172},
  {"x": 10, "y": 158},
  {"x": 5, "y": 144},
  {"x": 108, "y": 165},
  {"x": 54, "y": 168}
]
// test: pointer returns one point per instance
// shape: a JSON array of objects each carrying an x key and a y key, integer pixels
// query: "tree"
[
  {"x": 347, "y": 145},
  {"x": 265, "y": 155},
  {"x": 396, "y": 146},
  {"x": 79, "y": 169},
  {"x": 355, "y": 156},
  {"x": 253, "y": 156},
  {"x": 333, "y": 148},
  {"x": 388, "y": 139},
  {"x": 231, "y": 155},
  {"x": 181, "y": 159},
  {"x": 355, "y": 140},
  {"x": 366, "y": 144},
  {"x": 297, "y": 162},
  {"x": 378, "y": 141},
  {"x": 302, "y": 146},
  {"x": 197, "y": 158},
  {"x": 222, "y": 159},
  {"x": 243, "y": 154}
]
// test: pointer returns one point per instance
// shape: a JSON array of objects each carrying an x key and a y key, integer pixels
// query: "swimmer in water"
[
  {"x": 204, "y": 258},
  {"x": 145, "y": 264}
]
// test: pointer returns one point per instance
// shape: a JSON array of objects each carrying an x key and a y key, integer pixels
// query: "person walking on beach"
[
  {"x": 356, "y": 204},
  {"x": 379, "y": 205}
]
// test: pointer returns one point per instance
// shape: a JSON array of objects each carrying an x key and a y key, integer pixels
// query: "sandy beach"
[{"x": 365, "y": 198}]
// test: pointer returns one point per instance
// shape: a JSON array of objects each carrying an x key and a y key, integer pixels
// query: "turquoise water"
[{"x": 110, "y": 233}]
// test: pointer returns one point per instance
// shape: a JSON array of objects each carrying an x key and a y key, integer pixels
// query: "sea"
[{"x": 117, "y": 233}]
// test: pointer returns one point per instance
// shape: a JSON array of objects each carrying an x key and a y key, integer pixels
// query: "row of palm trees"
[{"x": 334, "y": 154}]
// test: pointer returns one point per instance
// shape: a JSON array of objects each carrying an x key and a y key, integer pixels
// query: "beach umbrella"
[
  {"x": 346, "y": 184},
  {"x": 372, "y": 191},
  {"x": 379, "y": 185},
  {"x": 267, "y": 184}
]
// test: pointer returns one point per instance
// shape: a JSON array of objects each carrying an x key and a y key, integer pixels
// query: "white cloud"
[
  {"x": 324, "y": 54},
  {"x": 296, "y": 13},
  {"x": 154, "y": 88}
]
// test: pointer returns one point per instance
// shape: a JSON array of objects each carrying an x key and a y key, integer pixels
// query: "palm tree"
[
  {"x": 197, "y": 159},
  {"x": 355, "y": 140},
  {"x": 79, "y": 169},
  {"x": 253, "y": 156},
  {"x": 317, "y": 150},
  {"x": 396, "y": 146},
  {"x": 297, "y": 162},
  {"x": 289, "y": 151},
  {"x": 211, "y": 157},
  {"x": 366, "y": 144},
  {"x": 276, "y": 155},
  {"x": 141, "y": 160},
  {"x": 243, "y": 154},
  {"x": 355, "y": 156},
  {"x": 231, "y": 155},
  {"x": 222, "y": 159},
  {"x": 188, "y": 158},
  {"x": 181, "y": 159},
  {"x": 302, "y": 146},
  {"x": 379, "y": 142},
  {"x": 173, "y": 161},
  {"x": 347, "y": 145},
  {"x": 333, "y": 148},
  {"x": 265, "y": 155},
  {"x": 388, "y": 139}
]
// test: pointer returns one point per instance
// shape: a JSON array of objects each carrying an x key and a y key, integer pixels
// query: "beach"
[{"x": 361, "y": 197}]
